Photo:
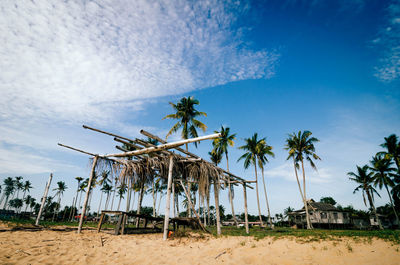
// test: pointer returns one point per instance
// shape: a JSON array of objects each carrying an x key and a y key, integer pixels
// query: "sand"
[{"x": 90, "y": 247}]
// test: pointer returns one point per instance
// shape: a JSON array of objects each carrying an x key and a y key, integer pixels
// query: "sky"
[{"x": 271, "y": 67}]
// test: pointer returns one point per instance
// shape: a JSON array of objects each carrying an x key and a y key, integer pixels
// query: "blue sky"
[{"x": 271, "y": 67}]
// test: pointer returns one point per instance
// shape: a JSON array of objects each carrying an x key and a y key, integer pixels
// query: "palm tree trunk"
[
  {"x": 173, "y": 198},
  {"x": 159, "y": 203},
  {"x": 391, "y": 203},
  {"x": 309, "y": 224},
  {"x": 216, "y": 198},
  {"x": 5, "y": 203},
  {"x": 371, "y": 203},
  {"x": 101, "y": 198},
  {"x": 113, "y": 197},
  {"x": 298, "y": 183},
  {"x": 76, "y": 199},
  {"x": 230, "y": 191},
  {"x": 106, "y": 202},
  {"x": 140, "y": 199},
  {"x": 119, "y": 203},
  {"x": 258, "y": 198},
  {"x": 154, "y": 199},
  {"x": 266, "y": 198},
  {"x": 177, "y": 204},
  {"x": 208, "y": 207}
]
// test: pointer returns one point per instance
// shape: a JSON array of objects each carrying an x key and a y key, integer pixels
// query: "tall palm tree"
[
  {"x": 9, "y": 184},
  {"x": 79, "y": 179},
  {"x": 221, "y": 144},
  {"x": 365, "y": 180},
  {"x": 18, "y": 184},
  {"x": 27, "y": 201},
  {"x": 32, "y": 204},
  {"x": 61, "y": 187},
  {"x": 265, "y": 150},
  {"x": 107, "y": 190},
  {"x": 300, "y": 147},
  {"x": 392, "y": 147},
  {"x": 216, "y": 158},
  {"x": 121, "y": 191},
  {"x": 186, "y": 115},
  {"x": 382, "y": 176},
  {"x": 27, "y": 186},
  {"x": 250, "y": 157}
]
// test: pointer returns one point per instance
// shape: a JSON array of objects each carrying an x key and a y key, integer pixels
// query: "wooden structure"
[
  {"x": 169, "y": 165},
  {"x": 322, "y": 215},
  {"x": 122, "y": 218}
]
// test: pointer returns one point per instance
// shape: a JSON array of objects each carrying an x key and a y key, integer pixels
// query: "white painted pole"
[
  {"x": 46, "y": 190},
  {"x": 87, "y": 194},
  {"x": 167, "y": 203},
  {"x": 246, "y": 219}
]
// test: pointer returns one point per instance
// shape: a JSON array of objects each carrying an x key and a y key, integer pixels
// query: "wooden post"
[
  {"x": 167, "y": 203},
  {"x": 87, "y": 193},
  {"x": 46, "y": 190},
  {"x": 216, "y": 198},
  {"x": 173, "y": 198},
  {"x": 246, "y": 219},
  {"x": 100, "y": 222}
]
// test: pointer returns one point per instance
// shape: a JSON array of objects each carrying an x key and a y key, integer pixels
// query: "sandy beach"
[{"x": 90, "y": 247}]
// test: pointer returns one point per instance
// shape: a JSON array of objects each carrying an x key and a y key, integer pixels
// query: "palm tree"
[
  {"x": 18, "y": 184},
  {"x": 287, "y": 211},
  {"x": 216, "y": 158},
  {"x": 26, "y": 188},
  {"x": 382, "y": 177},
  {"x": 27, "y": 201},
  {"x": 264, "y": 150},
  {"x": 392, "y": 147},
  {"x": 300, "y": 147},
  {"x": 107, "y": 189},
  {"x": 61, "y": 187},
  {"x": 221, "y": 145},
  {"x": 250, "y": 157},
  {"x": 32, "y": 204},
  {"x": 79, "y": 179},
  {"x": 8, "y": 190},
  {"x": 121, "y": 191},
  {"x": 365, "y": 180},
  {"x": 186, "y": 115}
]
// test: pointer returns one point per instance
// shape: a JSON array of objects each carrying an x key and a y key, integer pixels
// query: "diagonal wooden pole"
[
  {"x": 167, "y": 203},
  {"x": 46, "y": 190},
  {"x": 87, "y": 193}
]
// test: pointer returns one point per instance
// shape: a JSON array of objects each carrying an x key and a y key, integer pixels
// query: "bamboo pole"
[
  {"x": 165, "y": 146},
  {"x": 216, "y": 198},
  {"x": 87, "y": 194},
  {"x": 46, "y": 190},
  {"x": 246, "y": 219},
  {"x": 167, "y": 203}
]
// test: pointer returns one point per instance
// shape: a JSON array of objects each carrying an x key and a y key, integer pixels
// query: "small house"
[{"x": 322, "y": 215}]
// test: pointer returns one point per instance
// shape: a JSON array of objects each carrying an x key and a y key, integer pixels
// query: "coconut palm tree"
[
  {"x": 27, "y": 186},
  {"x": 365, "y": 180},
  {"x": 186, "y": 115},
  {"x": 79, "y": 179},
  {"x": 18, "y": 184},
  {"x": 392, "y": 147},
  {"x": 121, "y": 191},
  {"x": 300, "y": 147},
  {"x": 265, "y": 150},
  {"x": 9, "y": 189},
  {"x": 107, "y": 189},
  {"x": 216, "y": 158},
  {"x": 61, "y": 187},
  {"x": 32, "y": 204},
  {"x": 382, "y": 176},
  {"x": 221, "y": 144},
  {"x": 250, "y": 157},
  {"x": 27, "y": 201}
]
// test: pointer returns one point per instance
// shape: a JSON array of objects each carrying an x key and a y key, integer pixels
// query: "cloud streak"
[{"x": 79, "y": 61}]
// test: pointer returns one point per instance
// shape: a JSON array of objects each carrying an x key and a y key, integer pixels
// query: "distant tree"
[
  {"x": 61, "y": 187},
  {"x": 27, "y": 186},
  {"x": 365, "y": 181},
  {"x": 328, "y": 200}
]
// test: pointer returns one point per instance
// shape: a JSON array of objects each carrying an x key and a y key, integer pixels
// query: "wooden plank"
[
  {"x": 100, "y": 222},
  {"x": 46, "y": 190}
]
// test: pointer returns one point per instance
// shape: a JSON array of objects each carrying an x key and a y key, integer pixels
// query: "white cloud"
[
  {"x": 80, "y": 60},
  {"x": 65, "y": 63},
  {"x": 389, "y": 41}
]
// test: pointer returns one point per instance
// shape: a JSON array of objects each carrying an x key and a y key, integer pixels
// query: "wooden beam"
[
  {"x": 165, "y": 146},
  {"x": 100, "y": 131},
  {"x": 76, "y": 149},
  {"x": 167, "y": 203},
  {"x": 87, "y": 193},
  {"x": 46, "y": 190},
  {"x": 216, "y": 198}
]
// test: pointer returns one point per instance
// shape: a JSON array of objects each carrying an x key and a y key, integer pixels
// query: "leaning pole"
[
  {"x": 167, "y": 203},
  {"x": 87, "y": 194},
  {"x": 46, "y": 190}
]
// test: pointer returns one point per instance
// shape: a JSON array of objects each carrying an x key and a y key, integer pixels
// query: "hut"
[
  {"x": 144, "y": 160},
  {"x": 322, "y": 215}
]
